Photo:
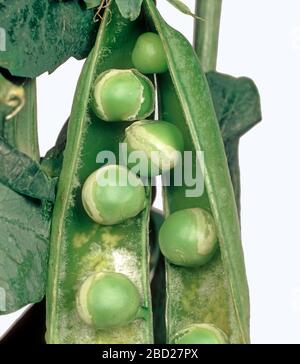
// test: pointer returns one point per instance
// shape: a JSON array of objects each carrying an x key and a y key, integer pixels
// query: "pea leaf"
[
  {"x": 42, "y": 34},
  {"x": 24, "y": 221},
  {"x": 24, "y": 175},
  {"x": 236, "y": 102},
  {"x": 53, "y": 160},
  {"x": 25, "y": 228},
  {"x": 26, "y": 193},
  {"x": 129, "y": 9},
  {"x": 24, "y": 243},
  {"x": 237, "y": 105},
  {"x": 181, "y": 6},
  {"x": 25, "y": 215}
]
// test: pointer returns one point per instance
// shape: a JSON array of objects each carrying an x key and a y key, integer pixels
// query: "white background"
[{"x": 259, "y": 39}]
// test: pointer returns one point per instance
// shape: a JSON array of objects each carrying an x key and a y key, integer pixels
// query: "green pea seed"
[
  {"x": 122, "y": 95},
  {"x": 188, "y": 237},
  {"x": 108, "y": 300},
  {"x": 201, "y": 334},
  {"x": 113, "y": 194},
  {"x": 148, "y": 55},
  {"x": 160, "y": 141}
]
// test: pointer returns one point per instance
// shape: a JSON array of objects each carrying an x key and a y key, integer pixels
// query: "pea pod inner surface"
[
  {"x": 79, "y": 246},
  {"x": 216, "y": 293}
]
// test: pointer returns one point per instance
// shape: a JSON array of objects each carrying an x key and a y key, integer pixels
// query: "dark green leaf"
[
  {"x": 24, "y": 175},
  {"x": 42, "y": 34},
  {"x": 24, "y": 242},
  {"x": 53, "y": 160},
  {"x": 24, "y": 221},
  {"x": 237, "y": 103},
  {"x": 129, "y": 9}
]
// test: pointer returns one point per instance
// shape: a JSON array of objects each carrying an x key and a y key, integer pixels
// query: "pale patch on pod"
[
  {"x": 188, "y": 237},
  {"x": 123, "y": 95},
  {"x": 113, "y": 194},
  {"x": 200, "y": 334}
]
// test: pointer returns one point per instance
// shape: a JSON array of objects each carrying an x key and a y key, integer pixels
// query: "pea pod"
[
  {"x": 216, "y": 293},
  {"x": 79, "y": 246}
]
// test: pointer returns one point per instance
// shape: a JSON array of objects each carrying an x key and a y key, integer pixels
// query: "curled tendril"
[
  {"x": 13, "y": 97},
  {"x": 16, "y": 100},
  {"x": 104, "y": 4}
]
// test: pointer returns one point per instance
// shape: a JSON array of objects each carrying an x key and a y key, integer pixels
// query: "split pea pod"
[
  {"x": 91, "y": 262},
  {"x": 217, "y": 292}
]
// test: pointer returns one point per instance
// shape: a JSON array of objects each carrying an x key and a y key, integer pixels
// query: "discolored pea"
[
  {"x": 200, "y": 334},
  {"x": 113, "y": 194},
  {"x": 160, "y": 142},
  {"x": 122, "y": 95},
  {"x": 108, "y": 300},
  {"x": 188, "y": 237}
]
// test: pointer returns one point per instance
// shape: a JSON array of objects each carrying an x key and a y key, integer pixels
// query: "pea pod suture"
[
  {"x": 222, "y": 282},
  {"x": 80, "y": 247}
]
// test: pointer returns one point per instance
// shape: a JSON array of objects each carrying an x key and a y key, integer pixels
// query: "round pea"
[
  {"x": 108, "y": 300},
  {"x": 160, "y": 142},
  {"x": 123, "y": 95},
  {"x": 188, "y": 237},
  {"x": 113, "y": 194},
  {"x": 201, "y": 334},
  {"x": 148, "y": 55}
]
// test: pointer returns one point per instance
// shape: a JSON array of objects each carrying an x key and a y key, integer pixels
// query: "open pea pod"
[
  {"x": 80, "y": 247},
  {"x": 216, "y": 293}
]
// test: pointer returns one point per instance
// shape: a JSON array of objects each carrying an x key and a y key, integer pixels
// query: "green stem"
[
  {"x": 25, "y": 123},
  {"x": 206, "y": 33}
]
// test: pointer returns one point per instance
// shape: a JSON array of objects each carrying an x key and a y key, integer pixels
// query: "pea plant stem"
[
  {"x": 206, "y": 32},
  {"x": 26, "y": 132}
]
